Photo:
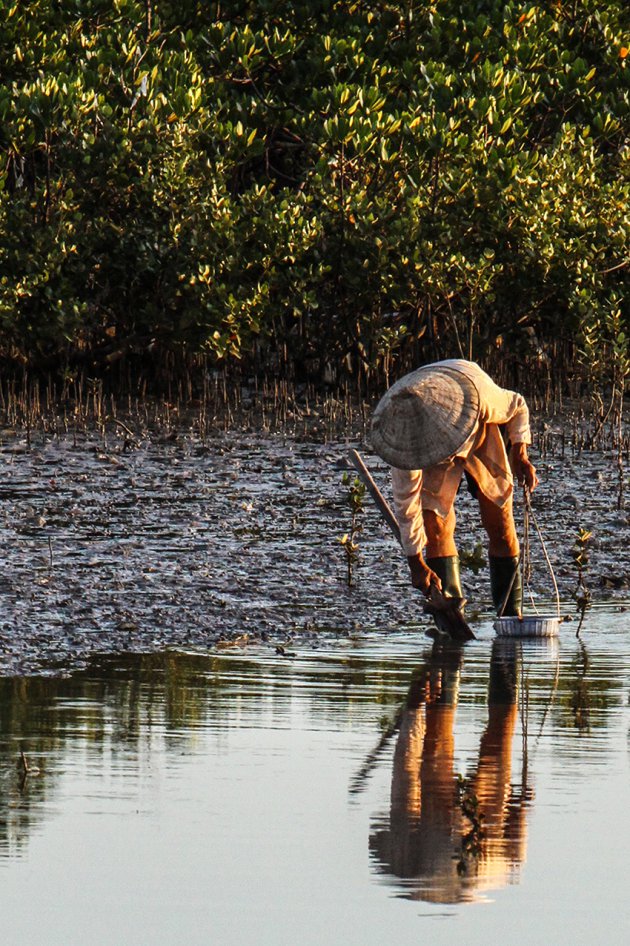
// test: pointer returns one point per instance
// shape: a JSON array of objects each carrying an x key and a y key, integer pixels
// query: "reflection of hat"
[{"x": 425, "y": 417}]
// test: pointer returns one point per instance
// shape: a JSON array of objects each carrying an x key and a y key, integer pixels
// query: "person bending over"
[{"x": 433, "y": 425}]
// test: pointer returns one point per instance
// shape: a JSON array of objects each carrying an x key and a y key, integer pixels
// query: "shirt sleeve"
[
  {"x": 501, "y": 406},
  {"x": 407, "y": 493}
]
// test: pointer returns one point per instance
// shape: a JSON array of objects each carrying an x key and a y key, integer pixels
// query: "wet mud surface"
[{"x": 112, "y": 545}]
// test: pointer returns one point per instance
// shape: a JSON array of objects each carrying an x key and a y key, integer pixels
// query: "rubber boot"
[
  {"x": 449, "y": 620},
  {"x": 501, "y": 572},
  {"x": 446, "y": 567}
]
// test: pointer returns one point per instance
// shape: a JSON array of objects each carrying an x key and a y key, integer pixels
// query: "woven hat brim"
[{"x": 425, "y": 417}]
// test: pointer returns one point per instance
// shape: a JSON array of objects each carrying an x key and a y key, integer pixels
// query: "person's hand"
[
  {"x": 522, "y": 468},
  {"x": 422, "y": 576}
]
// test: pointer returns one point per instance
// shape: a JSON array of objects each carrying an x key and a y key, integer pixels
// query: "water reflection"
[
  {"x": 134, "y": 715},
  {"x": 449, "y": 837},
  {"x": 117, "y": 714},
  {"x": 231, "y": 774}
]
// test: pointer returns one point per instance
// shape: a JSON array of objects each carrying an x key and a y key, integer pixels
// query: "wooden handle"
[{"x": 385, "y": 509}]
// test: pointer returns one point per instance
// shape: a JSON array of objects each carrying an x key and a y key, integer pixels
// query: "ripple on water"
[{"x": 355, "y": 770}]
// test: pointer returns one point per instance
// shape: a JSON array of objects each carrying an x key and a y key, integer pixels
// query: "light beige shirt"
[{"x": 483, "y": 455}]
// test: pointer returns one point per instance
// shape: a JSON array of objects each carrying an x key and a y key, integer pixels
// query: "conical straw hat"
[{"x": 425, "y": 417}]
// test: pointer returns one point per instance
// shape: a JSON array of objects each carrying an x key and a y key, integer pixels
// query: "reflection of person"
[
  {"x": 431, "y": 426},
  {"x": 442, "y": 853}
]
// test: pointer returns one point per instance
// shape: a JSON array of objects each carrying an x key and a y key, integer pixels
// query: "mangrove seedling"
[
  {"x": 580, "y": 555},
  {"x": 355, "y": 494}
]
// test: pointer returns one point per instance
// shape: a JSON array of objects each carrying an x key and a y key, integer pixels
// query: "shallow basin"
[{"x": 530, "y": 625}]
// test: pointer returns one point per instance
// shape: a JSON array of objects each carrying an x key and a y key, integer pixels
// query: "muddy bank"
[{"x": 114, "y": 543}]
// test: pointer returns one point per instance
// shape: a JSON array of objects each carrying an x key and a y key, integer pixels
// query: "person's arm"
[
  {"x": 501, "y": 406},
  {"x": 522, "y": 467},
  {"x": 422, "y": 577},
  {"x": 407, "y": 493}
]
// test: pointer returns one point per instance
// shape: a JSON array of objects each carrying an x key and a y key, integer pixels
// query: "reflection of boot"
[
  {"x": 501, "y": 572},
  {"x": 446, "y": 567},
  {"x": 504, "y": 667},
  {"x": 445, "y": 671}
]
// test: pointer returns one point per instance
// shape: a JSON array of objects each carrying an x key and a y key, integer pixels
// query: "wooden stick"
[{"x": 375, "y": 493}]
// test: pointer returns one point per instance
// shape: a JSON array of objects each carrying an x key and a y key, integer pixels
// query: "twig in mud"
[
  {"x": 124, "y": 427},
  {"x": 581, "y": 593}
]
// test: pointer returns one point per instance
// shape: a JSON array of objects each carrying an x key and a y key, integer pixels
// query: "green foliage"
[
  {"x": 356, "y": 494},
  {"x": 341, "y": 182}
]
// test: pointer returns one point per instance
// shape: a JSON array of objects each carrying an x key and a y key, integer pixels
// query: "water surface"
[{"x": 384, "y": 789}]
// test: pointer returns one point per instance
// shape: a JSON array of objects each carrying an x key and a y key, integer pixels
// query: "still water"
[{"x": 381, "y": 790}]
